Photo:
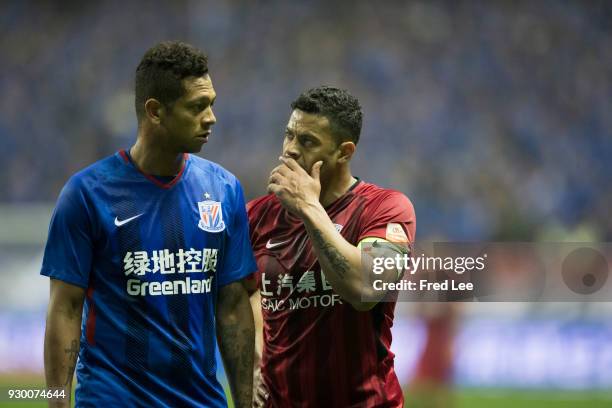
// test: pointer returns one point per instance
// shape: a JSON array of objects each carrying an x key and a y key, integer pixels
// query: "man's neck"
[
  {"x": 152, "y": 159},
  {"x": 337, "y": 188}
]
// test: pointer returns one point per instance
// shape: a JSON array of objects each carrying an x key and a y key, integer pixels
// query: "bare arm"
[
  {"x": 255, "y": 300},
  {"x": 62, "y": 337},
  {"x": 342, "y": 262},
  {"x": 235, "y": 335}
]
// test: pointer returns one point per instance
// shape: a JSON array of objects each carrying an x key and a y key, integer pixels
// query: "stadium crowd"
[{"x": 494, "y": 118}]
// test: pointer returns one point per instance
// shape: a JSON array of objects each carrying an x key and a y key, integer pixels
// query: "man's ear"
[
  {"x": 154, "y": 109},
  {"x": 347, "y": 149}
]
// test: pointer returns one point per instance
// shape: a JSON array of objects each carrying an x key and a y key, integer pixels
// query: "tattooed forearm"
[
  {"x": 340, "y": 259},
  {"x": 236, "y": 338},
  {"x": 237, "y": 350},
  {"x": 62, "y": 337},
  {"x": 339, "y": 263},
  {"x": 71, "y": 354}
]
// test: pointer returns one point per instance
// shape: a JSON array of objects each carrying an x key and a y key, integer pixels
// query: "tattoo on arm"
[
  {"x": 236, "y": 335},
  {"x": 336, "y": 259},
  {"x": 72, "y": 353},
  {"x": 236, "y": 347},
  {"x": 236, "y": 344}
]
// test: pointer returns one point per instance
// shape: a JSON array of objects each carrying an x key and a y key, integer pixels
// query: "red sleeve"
[
  {"x": 253, "y": 281},
  {"x": 251, "y": 208},
  {"x": 253, "y": 212},
  {"x": 390, "y": 216}
]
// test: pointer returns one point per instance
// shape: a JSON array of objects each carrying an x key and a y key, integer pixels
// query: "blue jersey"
[{"x": 152, "y": 257}]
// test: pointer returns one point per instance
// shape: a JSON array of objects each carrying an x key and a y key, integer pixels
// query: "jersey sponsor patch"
[
  {"x": 211, "y": 216},
  {"x": 395, "y": 233}
]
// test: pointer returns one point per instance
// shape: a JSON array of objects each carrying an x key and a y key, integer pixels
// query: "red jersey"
[{"x": 318, "y": 350}]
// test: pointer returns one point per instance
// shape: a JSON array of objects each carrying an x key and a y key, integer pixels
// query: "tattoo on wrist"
[
  {"x": 237, "y": 349},
  {"x": 72, "y": 354}
]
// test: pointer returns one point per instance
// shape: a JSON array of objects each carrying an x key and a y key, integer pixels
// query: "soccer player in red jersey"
[
  {"x": 325, "y": 342},
  {"x": 431, "y": 384}
]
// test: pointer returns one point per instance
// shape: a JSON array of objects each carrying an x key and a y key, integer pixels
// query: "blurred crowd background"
[{"x": 495, "y": 118}]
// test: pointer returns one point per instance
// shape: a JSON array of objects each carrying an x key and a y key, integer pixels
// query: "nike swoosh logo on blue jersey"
[
  {"x": 271, "y": 245},
  {"x": 120, "y": 223}
]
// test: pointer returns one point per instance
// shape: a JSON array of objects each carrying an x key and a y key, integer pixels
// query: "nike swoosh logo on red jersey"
[
  {"x": 123, "y": 222},
  {"x": 270, "y": 244}
]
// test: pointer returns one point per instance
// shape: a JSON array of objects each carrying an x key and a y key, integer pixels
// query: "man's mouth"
[{"x": 204, "y": 136}]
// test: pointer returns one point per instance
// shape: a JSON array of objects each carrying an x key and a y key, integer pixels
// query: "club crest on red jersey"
[{"x": 211, "y": 216}]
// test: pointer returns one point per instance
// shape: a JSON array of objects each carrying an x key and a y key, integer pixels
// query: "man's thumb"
[{"x": 316, "y": 170}]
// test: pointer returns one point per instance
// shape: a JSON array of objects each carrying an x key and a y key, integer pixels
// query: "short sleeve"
[
  {"x": 252, "y": 219},
  {"x": 390, "y": 216},
  {"x": 254, "y": 279},
  {"x": 238, "y": 260},
  {"x": 68, "y": 252}
]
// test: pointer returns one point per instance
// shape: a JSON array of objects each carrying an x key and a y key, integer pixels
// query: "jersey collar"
[
  {"x": 346, "y": 194},
  {"x": 127, "y": 160}
]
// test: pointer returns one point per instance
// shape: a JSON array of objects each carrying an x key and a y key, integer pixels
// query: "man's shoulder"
[
  {"x": 213, "y": 169},
  {"x": 375, "y": 193},
  {"x": 260, "y": 204},
  {"x": 384, "y": 209},
  {"x": 96, "y": 172}
]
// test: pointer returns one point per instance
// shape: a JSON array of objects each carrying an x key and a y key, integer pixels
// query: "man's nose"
[
  {"x": 291, "y": 150},
  {"x": 209, "y": 118}
]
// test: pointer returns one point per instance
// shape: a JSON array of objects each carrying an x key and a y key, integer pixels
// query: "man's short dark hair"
[
  {"x": 162, "y": 69},
  {"x": 338, "y": 106}
]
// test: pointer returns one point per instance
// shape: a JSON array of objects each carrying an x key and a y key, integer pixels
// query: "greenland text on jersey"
[{"x": 164, "y": 262}]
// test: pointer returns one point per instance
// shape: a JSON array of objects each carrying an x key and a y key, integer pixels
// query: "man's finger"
[
  {"x": 315, "y": 172},
  {"x": 259, "y": 400},
  {"x": 281, "y": 169},
  {"x": 277, "y": 178},
  {"x": 275, "y": 189},
  {"x": 264, "y": 388},
  {"x": 261, "y": 396},
  {"x": 292, "y": 164}
]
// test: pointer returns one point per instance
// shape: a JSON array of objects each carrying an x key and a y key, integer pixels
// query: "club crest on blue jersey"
[{"x": 211, "y": 216}]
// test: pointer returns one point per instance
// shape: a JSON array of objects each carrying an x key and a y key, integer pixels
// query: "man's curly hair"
[
  {"x": 161, "y": 70},
  {"x": 338, "y": 106}
]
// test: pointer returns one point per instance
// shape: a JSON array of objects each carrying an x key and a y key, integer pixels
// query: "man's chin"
[{"x": 193, "y": 149}]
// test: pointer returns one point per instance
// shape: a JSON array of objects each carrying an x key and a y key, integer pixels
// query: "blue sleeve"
[
  {"x": 68, "y": 253},
  {"x": 238, "y": 260}
]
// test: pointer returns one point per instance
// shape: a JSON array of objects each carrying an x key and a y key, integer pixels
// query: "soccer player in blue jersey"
[{"x": 146, "y": 253}]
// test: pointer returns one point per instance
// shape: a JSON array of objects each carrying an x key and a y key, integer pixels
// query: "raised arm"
[
  {"x": 62, "y": 337},
  {"x": 236, "y": 338},
  {"x": 341, "y": 261}
]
